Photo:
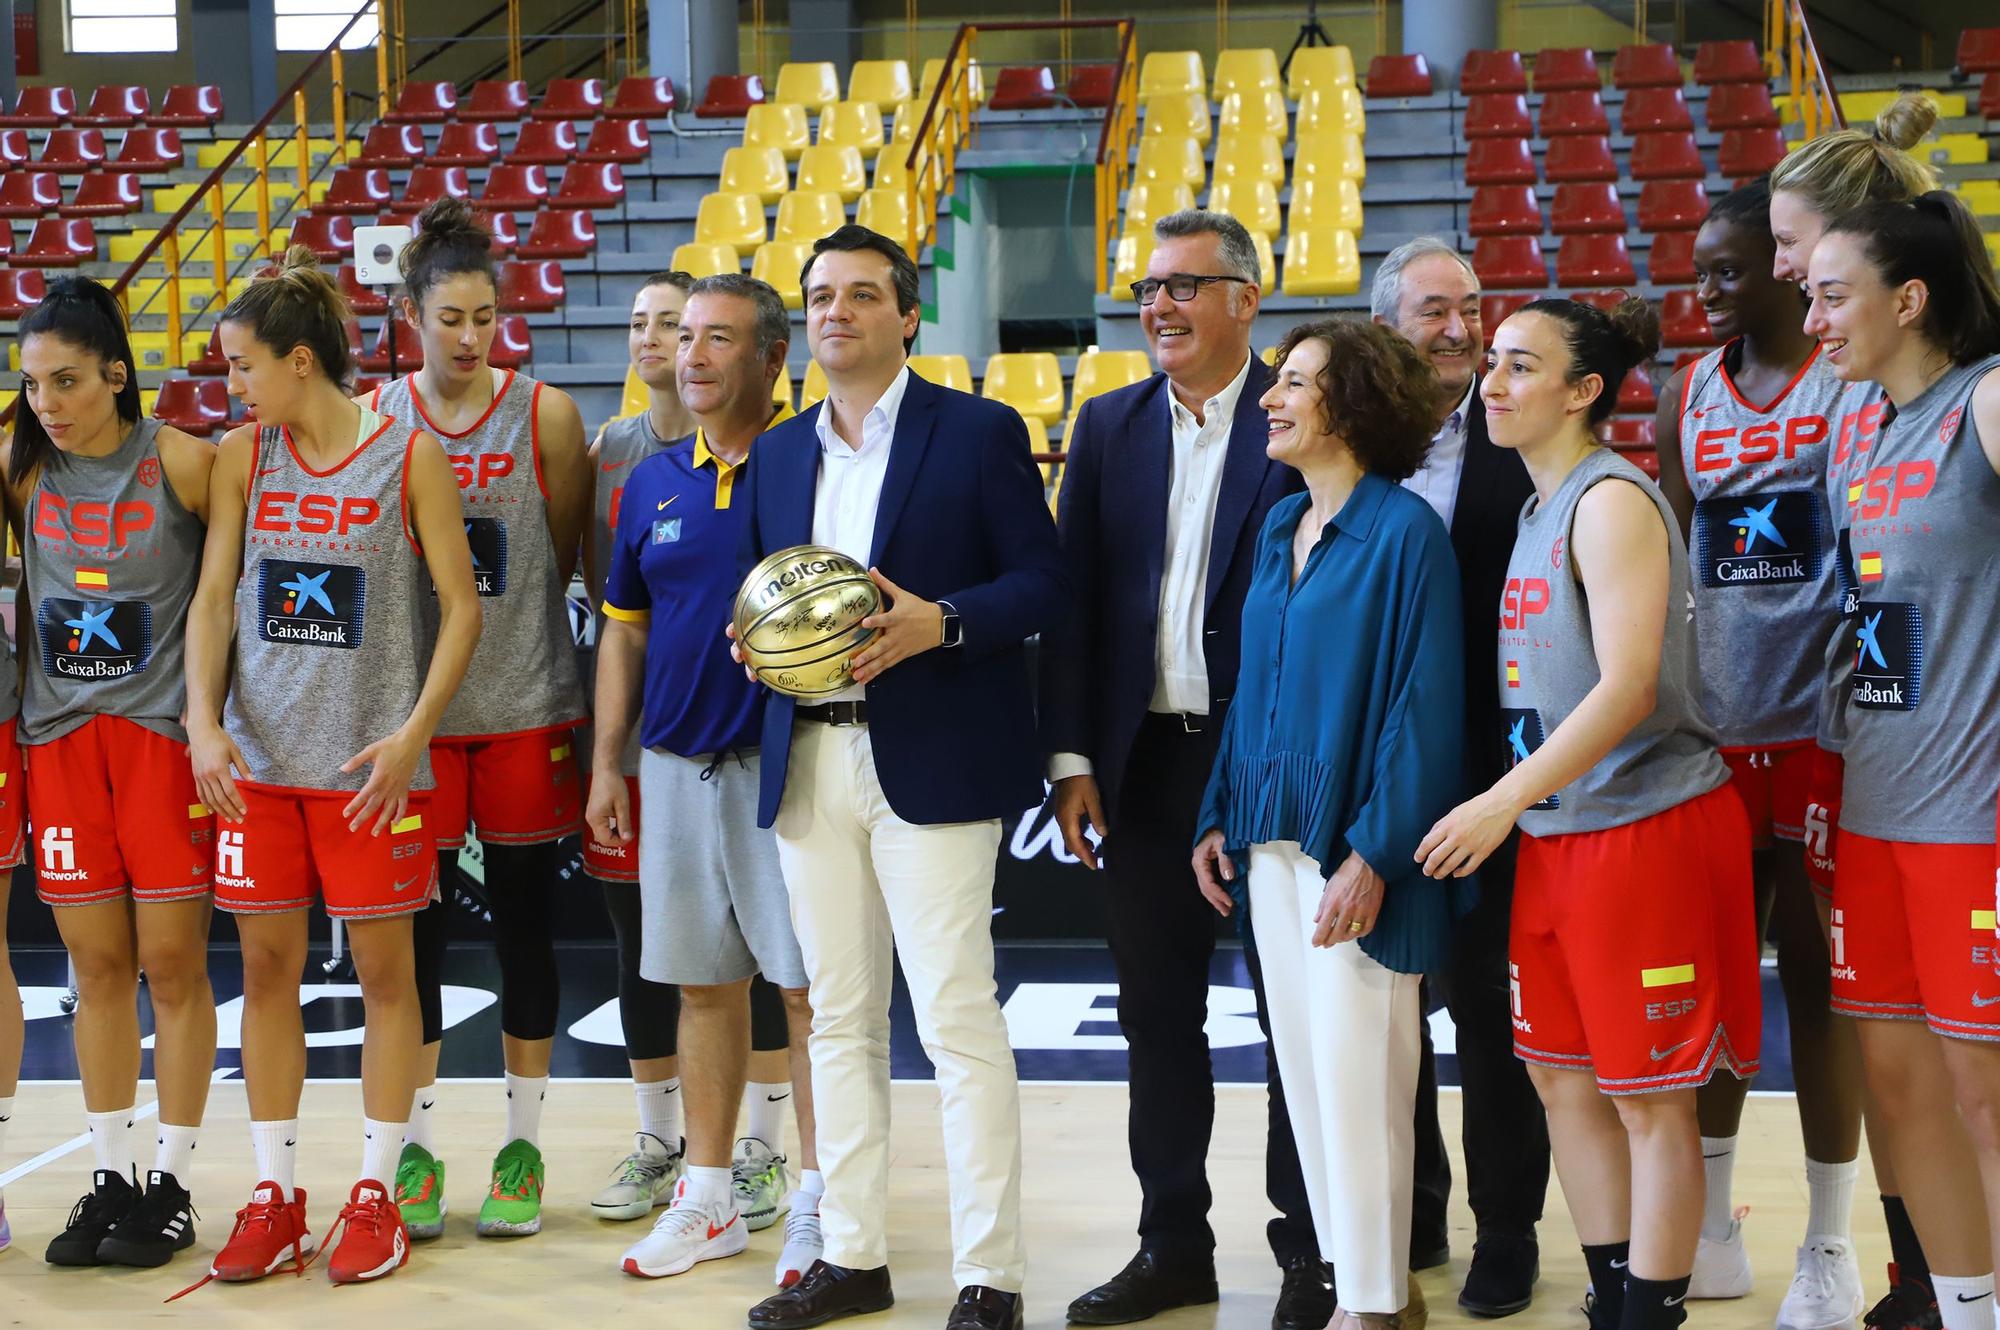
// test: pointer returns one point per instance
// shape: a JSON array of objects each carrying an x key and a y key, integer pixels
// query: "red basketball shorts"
[
  {"x": 517, "y": 789},
  {"x": 1633, "y": 950},
  {"x": 1775, "y": 785},
  {"x": 1823, "y": 820},
  {"x": 293, "y": 846},
  {"x": 1913, "y": 935},
  {"x": 615, "y": 863},
  {"x": 13, "y": 798},
  {"x": 116, "y": 814}
]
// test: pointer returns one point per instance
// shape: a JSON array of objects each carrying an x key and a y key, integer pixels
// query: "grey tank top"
[
  {"x": 1762, "y": 548},
  {"x": 1547, "y": 666},
  {"x": 110, "y": 562},
  {"x": 624, "y": 444},
  {"x": 1922, "y": 528},
  {"x": 523, "y": 675},
  {"x": 330, "y": 650}
]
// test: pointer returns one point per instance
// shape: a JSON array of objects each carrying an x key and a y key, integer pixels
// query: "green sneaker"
[
  {"x": 420, "y": 1192},
  {"x": 514, "y": 1205},
  {"x": 760, "y": 1183}
]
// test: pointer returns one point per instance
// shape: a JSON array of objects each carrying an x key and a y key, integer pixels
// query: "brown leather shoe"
[
  {"x": 826, "y": 1291},
  {"x": 1416, "y": 1314}
]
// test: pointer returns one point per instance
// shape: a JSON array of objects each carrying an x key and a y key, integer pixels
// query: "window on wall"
[
  {"x": 120, "y": 26},
  {"x": 308, "y": 25}
]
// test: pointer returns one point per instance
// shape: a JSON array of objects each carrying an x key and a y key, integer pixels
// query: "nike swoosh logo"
[
  {"x": 1675, "y": 1302},
  {"x": 781, "y": 1098},
  {"x": 1979, "y": 1001},
  {"x": 609, "y": 466},
  {"x": 1619, "y": 1265},
  {"x": 1662, "y": 1054},
  {"x": 270, "y": 471},
  {"x": 405, "y": 886},
  {"x": 1974, "y": 1298},
  {"x": 714, "y": 1232},
  {"x": 663, "y": 505},
  {"x": 289, "y": 1144}
]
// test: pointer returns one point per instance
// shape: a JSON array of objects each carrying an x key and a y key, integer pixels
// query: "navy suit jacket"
[
  {"x": 1098, "y": 667},
  {"x": 963, "y": 518}
]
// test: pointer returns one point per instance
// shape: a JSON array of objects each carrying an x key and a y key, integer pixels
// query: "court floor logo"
[
  {"x": 1761, "y": 540},
  {"x": 94, "y": 639},
  {"x": 311, "y": 604}
]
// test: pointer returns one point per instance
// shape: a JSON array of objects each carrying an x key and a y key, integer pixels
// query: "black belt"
[
  {"x": 834, "y": 713},
  {"x": 1182, "y": 722}
]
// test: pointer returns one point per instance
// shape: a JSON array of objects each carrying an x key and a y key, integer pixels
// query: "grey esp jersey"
[{"x": 624, "y": 444}]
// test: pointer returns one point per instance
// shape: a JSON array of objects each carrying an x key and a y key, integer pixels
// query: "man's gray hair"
[
  {"x": 1234, "y": 247},
  {"x": 773, "y": 323},
  {"x": 1385, "y": 301}
]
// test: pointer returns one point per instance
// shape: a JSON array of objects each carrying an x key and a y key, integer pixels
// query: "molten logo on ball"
[{"x": 798, "y": 620}]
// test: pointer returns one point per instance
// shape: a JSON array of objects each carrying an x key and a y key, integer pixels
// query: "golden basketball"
[{"x": 798, "y": 620}]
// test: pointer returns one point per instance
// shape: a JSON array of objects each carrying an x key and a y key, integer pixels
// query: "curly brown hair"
[{"x": 1378, "y": 394}]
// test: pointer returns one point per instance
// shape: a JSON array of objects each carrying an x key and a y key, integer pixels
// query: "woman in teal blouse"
[{"x": 1340, "y": 751}]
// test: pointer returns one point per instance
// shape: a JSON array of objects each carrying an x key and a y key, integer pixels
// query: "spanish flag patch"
[
  {"x": 1855, "y": 491},
  {"x": 92, "y": 579},
  {"x": 1666, "y": 976},
  {"x": 1513, "y": 674},
  {"x": 1869, "y": 564},
  {"x": 402, "y": 826},
  {"x": 197, "y": 810},
  {"x": 1983, "y": 921},
  {"x": 559, "y": 752}
]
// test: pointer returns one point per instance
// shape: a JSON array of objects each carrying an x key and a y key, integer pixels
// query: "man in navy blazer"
[{"x": 887, "y": 799}]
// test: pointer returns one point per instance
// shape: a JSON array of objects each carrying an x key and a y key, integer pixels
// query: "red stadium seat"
[
  {"x": 1989, "y": 95},
  {"x": 1594, "y": 260},
  {"x": 148, "y": 150},
  {"x": 72, "y": 151},
  {"x": 361, "y": 299},
  {"x": 1566, "y": 69},
  {"x": 516, "y": 188},
  {"x": 330, "y": 236},
  {"x": 506, "y": 235},
  {"x": 1978, "y": 50},
  {"x": 1648, "y": 109},
  {"x": 1671, "y": 259},
  {"x": 531, "y": 288},
  {"x": 210, "y": 362},
  {"x": 424, "y": 104},
  {"x": 58, "y": 242},
  {"x": 1632, "y": 434},
  {"x": 544, "y": 143},
  {"x": 358, "y": 189},
  {"x": 364, "y": 384},
  {"x": 21, "y": 289},
  {"x": 466, "y": 145},
  {"x": 199, "y": 406},
  {"x": 1682, "y": 322},
  {"x": 409, "y": 350},
  {"x": 1498, "y": 115},
  {"x": 627, "y": 141},
  {"x": 1587, "y": 209},
  {"x": 1636, "y": 395},
  {"x": 1604, "y": 300},
  {"x": 1499, "y": 162},
  {"x": 188, "y": 106},
  {"x": 1748, "y": 153},
  {"x": 14, "y": 149},
  {"x": 428, "y": 184},
  {"x": 29, "y": 193},
  {"x": 500, "y": 101},
  {"x": 115, "y": 106},
  {"x": 591, "y": 185},
  {"x": 561, "y": 233},
  {"x": 571, "y": 99},
  {"x": 1504, "y": 262},
  {"x": 1667, "y": 155},
  {"x": 1650, "y": 66},
  {"x": 1717, "y": 63},
  {"x": 1504, "y": 210},
  {"x": 513, "y": 345},
  {"x": 397, "y": 146},
  {"x": 1683, "y": 359},
  {"x": 1093, "y": 85},
  {"x": 1495, "y": 310},
  {"x": 730, "y": 95},
  {"x": 105, "y": 194},
  {"x": 1580, "y": 157},
  {"x": 1400, "y": 76},
  {"x": 1023, "y": 88},
  {"x": 1574, "y": 113},
  {"x": 1492, "y": 71},
  {"x": 1672, "y": 205},
  {"x": 643, "y": 97},
  {"x": 1741, "y": 106},
  {"x": 41, "y": 108},
  {"x": 6, "y": 240}
]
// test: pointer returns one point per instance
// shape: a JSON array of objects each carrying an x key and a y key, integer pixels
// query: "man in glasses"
[{"x": 1166, "y": 488}]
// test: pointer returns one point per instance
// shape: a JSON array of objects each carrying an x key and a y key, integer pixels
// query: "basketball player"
[
  {"x": 1635, "y": 959},
  {"x": 310, "y": 714},
  {"x": 108, "y": 509},
  {"x": 1743, "y": 436},
  {"x": 1907, "y": 309},
  {"x": 505, "y": 758}
]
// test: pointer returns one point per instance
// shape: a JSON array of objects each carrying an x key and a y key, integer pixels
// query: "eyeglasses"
[{"x": 1180, "y": 285}]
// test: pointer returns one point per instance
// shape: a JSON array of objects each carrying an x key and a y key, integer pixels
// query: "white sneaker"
[
  {"x": 689, "y": 1232},
  {"x": 803, "y": 1244},
  {"x": 1721, "y": 1269},
  {"x": 1826, "y": 1287},
  {"x": 643, "y": 1181},
  {"x": 760, "y": 1183}
]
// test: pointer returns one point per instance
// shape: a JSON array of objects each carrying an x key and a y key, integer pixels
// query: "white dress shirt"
[
  {"x": 1436, "y": 481},
  {"x": 849, "y": 489}
]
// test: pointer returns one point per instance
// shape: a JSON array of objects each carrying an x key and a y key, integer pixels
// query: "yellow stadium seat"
[
  {"x": 1320, "y": 67},
  {"x": 1322, "y": 262},
  {"x": 885, "y": 84},
  {"x": 1251, "y": 202},
  {"x": 852, "y": 125},
  {"x": 779, "y": 263},
  {"x": 908, "y": 116},
  {"x": 808, "y": 83},
  {"x": 932, "y": 69},
  {"x": 1172, "y": 161},
  {"x": 1257, "y": 111},
  {"x": 1030, "y": 382},
  {"x": 1267, "y": 262},
  {"x": 781, "y": 387},
  {"x": 125, "y": 248},
  {"x": 1038, "y": 438},
  {"x": 730, "y": 219},
  {"x": 1246, "y": 70},
  {"x": 1172, "y": 71},
  {"x": 1100, "y": 372},
  {"x": 806, "y": 215},
  {"x": 1269, "y": 355},
  {"x": 1329, "y": 157},
  {"x": 886, "y": 211},
  {"x": 1178, "y": 115},
  {"x": 833, "y": 168},
  {"x": 706, "y": 260},
  {"x": 637, "y": 399},
  {"x": 1955, "y": 150},
  {"x": 1250, "y": 157},
  {"x": 1862, "y": 107},
  {"x": 1128, "y": 265},
  {"x": 946, "y": 371},
  {"x": 891, "y": 171},
  {"x": 759, "y": 171},
  {"x": 813, "y": 389},
  {"x": 783, "y": 127},
  {"x": 280, "y": 152},
  {"x": 1146, "y": 204},
  {"x": 1982, "y": 196},
  {"x": 1332, "y": 110},
  {"x": 1326, "y": 203}
]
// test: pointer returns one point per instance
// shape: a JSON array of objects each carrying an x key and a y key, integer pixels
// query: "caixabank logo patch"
[
  {"x": 1888, "y": 656},
  {"x": 94, "y": 640},
  {"x": 488, "y": 538},
  {"x": 311, "y": 604},
  {"x": 1769, "y": 539},
  {"x": 1521, "y": 727}
]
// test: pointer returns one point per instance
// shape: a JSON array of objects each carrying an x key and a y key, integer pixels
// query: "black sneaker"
[
  {"x": 102, "y": 1209},
  {"x": 161, "y": 1224}
]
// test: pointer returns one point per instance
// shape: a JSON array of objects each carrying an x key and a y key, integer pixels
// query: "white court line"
[{"x": 75, "y": 1143}]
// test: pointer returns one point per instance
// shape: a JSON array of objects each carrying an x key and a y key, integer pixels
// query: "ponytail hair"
[
  {"x": 1838, "y": 172},
  {"x": 450, "y": 240},
  {"x": 83, "y": 314},
  {"x": 298, "y": 305},
  {"x": 1934, "y": 239},
  {"x": 1607, "y": 345}
]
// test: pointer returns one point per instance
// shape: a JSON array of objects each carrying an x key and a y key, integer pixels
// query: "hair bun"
[
  {"x": 1637, "y": 324},
  {"x": 1904, "y": 122},
  {"x": 298, "y": 259}
]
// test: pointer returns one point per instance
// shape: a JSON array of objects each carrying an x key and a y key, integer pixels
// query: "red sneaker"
[
  {"x": 269, "y": 1232},
  {"x": 373, "y": 1241}
]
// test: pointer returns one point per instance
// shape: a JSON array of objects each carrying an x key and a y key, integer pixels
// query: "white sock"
[
  {"x": 1965, "y": 1303},
  {"x": 276, "y": 1144},
  {"x": 660, "y": 1111},
  {"x": 765, "y": 1105},
  {"x": 111, "y": 1141},
  {"x": 807, "y": 1194},
  {"x": 419, "y": 1130},
  {"x": 1718, "y": 1165},
  {"x": 710, "y": 1186},
  {"x": 381, "y": 1147},
  {"x": 524, "y": 1107},
  {"x": 174, "y": 1152},
  {"x": 1830, "y": 1188}
]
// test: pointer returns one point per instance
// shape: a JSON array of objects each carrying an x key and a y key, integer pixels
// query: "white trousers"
[
  {"x": 867, "y": 887},
  {"x": 1347, "y": 1036}
]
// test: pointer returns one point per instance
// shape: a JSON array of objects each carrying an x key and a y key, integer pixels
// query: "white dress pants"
[
  {"x": 1347, "y": 1033},
  {"x": 867, "y": 887}
]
